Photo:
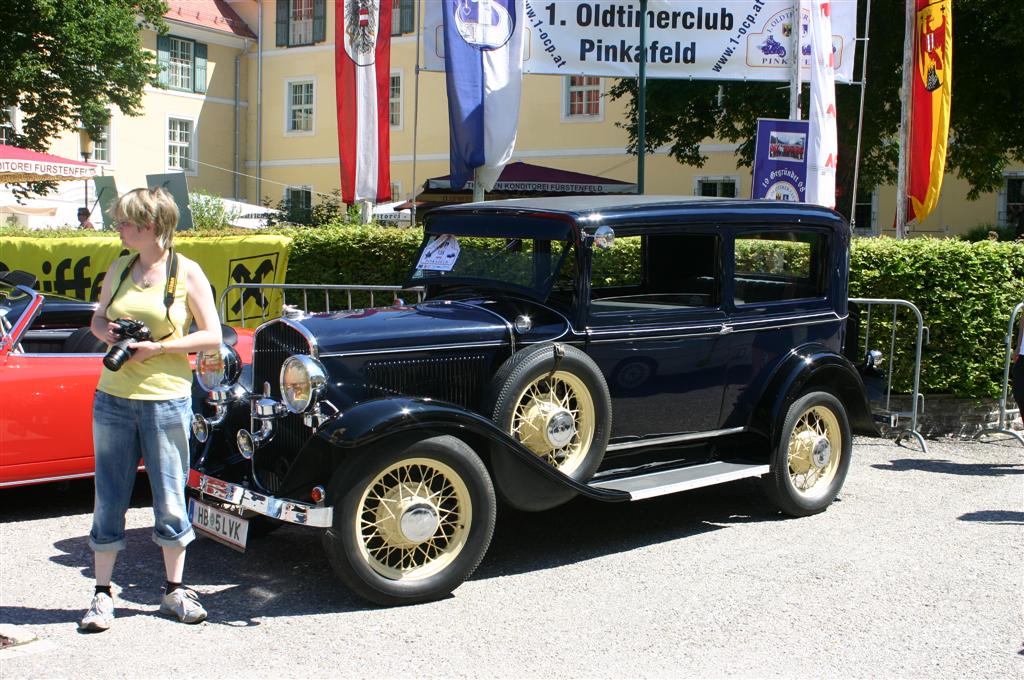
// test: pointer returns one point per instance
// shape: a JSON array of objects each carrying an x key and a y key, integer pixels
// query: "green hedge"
[{"x": 965, "y": 291}]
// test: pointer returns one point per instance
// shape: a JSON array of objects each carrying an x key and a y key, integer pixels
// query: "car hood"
[{"x": 429, "y": 324}]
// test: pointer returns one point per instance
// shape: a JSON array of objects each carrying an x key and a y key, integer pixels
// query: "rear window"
[{"x": 776, "y": 266}]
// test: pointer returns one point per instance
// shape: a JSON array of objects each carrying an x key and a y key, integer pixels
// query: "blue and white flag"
[{"x": 483, "y": 57}]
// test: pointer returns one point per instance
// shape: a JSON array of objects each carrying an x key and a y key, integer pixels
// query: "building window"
[
  {"x": 865, "y": 212},
  {"x": 180, "y": 73},
  {"x": 583, "y": 97},
  {"x": 1013, "y": 207},
  {"x": 403, "y": 19},
  {"x": 395, "y": 100},
  {"x": 300, "y": 106},
  {"x": 298, "y": 203},
  {"x": 101, "y": 145},
  {"x": 7, "y": 127},
  {"x": 180, "y": 138},
  {"x": 722, "y": 187},
  {"x": 302, "y": 22},
  {"x": 396, "y": 191},
  {"x": 182, "y": 63}
]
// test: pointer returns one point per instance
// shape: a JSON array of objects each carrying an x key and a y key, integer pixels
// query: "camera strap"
[{"x": 171, "y": 274}]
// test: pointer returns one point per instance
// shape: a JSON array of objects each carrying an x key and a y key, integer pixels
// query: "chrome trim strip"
[
  {"x": 637, "y": 336},
  {"x": 62, "y": 354},
  {"x": 43, "y": 480},
  {"x": 672, "y": 439},
  {"x": 420, "y": 348},
  {"x": 276, "y": 508}
]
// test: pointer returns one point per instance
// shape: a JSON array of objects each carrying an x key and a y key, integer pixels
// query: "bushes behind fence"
[{"x": 965, "y": 292}]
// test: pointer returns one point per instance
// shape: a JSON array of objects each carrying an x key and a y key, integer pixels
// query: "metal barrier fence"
[
  {"x": 306, "y": 289},
  {"x": 1002, "y": 425},
  {"x": 916, "y": 398}
]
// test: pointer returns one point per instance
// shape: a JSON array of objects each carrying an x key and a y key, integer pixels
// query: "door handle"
[{"x": 725, "y": 329}]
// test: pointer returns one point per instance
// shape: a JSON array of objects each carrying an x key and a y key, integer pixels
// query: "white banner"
[
  {"x": 726, "y": 40},
  {"x": 824, "y": 152}
]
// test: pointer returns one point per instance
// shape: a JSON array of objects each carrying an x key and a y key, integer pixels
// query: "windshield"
[
  {"x": 13, "y": 303},
  {"x": 528, "y": 265}
]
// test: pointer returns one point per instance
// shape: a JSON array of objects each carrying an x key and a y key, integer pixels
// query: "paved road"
[{"x": 915, "y": 571}]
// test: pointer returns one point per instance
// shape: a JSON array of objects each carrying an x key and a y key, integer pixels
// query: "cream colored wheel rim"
[
  {"x": 815, "y": 450},
  {"x": 554, "y": 417},
  {"x": 413, "y": 519}
]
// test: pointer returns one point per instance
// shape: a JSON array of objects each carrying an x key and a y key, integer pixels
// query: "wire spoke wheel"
[
  {"x": 554, "y": 416},
  {"x": 815, "y": 449},
  {"x": 413, "y": 519}
]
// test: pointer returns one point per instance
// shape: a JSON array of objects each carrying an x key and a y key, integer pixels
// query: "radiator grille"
[
  {"x": 271, "y": 346},
  {"x": 458, "y": 379}
]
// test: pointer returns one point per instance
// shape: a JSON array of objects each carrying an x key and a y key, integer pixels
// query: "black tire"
[
  {"x": 561, "y": 383},
  {"x": 812, "y": 456},
  {"x": 372, "y": 503}
]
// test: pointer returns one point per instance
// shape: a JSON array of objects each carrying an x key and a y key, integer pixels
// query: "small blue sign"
[{"x": 780, "y": 160}]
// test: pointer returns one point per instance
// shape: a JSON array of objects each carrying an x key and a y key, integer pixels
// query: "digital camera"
[{"x": 129, "y": 330}]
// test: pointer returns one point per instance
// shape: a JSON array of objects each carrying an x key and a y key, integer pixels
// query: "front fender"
[
  {"x": 804, "y": 369},
  {"x": 371, "y": 423}
]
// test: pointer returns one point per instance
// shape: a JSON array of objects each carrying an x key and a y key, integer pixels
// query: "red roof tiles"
[{"x": 215, "y": 14}]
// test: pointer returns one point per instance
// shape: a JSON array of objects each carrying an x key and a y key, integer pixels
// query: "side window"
[
  {"x": 655, "y": 273},
  {"x": 776, "y": 266}
]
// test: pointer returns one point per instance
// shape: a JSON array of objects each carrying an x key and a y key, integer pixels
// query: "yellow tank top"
[{"x": 163, "y": 376}]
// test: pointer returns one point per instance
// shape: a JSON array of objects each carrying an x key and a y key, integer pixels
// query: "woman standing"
[{"x": 143, "y": 408}]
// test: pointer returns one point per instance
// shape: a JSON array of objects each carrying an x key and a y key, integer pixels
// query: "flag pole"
[
  {"x": 641, "y": 132},
  {"x": 860, "y": 115},
  {"x": 794, "y": 46},
  {"x": 416, "y": 116},
  {"x": 904, "y": 158}
]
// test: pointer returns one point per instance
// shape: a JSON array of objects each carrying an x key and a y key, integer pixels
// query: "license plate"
[{"x": 229, "y": 529}]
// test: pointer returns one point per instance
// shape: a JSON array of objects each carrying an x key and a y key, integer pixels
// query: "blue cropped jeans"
[{"x": 124, "y": 430}]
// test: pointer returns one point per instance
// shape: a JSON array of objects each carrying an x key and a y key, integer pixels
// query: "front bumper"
[{"x": 246, "y": 499}]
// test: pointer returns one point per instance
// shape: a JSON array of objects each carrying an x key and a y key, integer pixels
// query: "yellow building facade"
[{"x": 265, "y": 127}]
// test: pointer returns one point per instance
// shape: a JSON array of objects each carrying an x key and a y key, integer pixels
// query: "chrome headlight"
[
  {"x": 302, "y": 379},
  {"x": 217, "y": 368}
]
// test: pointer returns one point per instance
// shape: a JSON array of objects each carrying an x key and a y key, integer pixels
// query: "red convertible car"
[{"x": 49, "y": 366}]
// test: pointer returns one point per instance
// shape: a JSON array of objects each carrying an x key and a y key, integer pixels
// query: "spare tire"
[{"x": 554, "y": 400}]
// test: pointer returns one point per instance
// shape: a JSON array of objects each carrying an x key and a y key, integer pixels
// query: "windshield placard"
[{"x": 440, "y": 254}]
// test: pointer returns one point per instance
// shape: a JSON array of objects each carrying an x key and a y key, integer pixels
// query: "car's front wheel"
[
  {"x": 810, "y": 460},
  {"x": 411, "y": 525}
]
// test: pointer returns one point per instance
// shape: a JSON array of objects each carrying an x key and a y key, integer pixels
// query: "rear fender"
[
  {"x": 808, "y": 368},
  {"x": 398, "y": 421}
]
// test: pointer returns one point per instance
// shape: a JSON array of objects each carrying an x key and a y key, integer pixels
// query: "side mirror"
[{"x": 603, "y": 238}]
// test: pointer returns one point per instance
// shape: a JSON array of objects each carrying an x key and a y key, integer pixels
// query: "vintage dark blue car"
[{"x": 613, "y": 348}]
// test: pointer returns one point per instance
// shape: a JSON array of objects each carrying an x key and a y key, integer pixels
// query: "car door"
[{"x": 656, "y": 333}]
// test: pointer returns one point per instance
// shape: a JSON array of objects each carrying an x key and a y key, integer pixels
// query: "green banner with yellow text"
[{"x": 75, "y": 267}]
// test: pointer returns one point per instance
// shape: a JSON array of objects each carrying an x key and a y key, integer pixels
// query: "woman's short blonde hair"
[{"x": 153, "y": 206}]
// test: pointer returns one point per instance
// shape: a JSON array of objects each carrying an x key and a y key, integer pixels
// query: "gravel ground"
[{"x": 915, "y": 572}]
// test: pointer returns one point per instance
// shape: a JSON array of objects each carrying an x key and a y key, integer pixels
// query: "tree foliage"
[
  {"x": 987, "y": 123},
  {"x": 67, "y": 62}
]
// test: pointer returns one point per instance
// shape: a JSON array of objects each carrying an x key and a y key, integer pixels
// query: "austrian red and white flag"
[
  {"x": 362, "y": 65},
  {"x": 824, "y": 146}
]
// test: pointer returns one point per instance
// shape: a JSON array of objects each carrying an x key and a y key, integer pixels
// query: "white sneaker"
[
  {"x": 183, "y": 604},
  {"x": 100, "y": 614}
]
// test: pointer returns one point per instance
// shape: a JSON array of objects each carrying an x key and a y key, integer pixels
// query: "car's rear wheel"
[
  {"x": 812, "y": 456},
  {"x": 411, "y": 525}
]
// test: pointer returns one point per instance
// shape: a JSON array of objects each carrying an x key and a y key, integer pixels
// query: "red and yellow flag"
[{"x": 931, "y": 94}]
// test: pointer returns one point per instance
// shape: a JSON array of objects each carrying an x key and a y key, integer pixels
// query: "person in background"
[
  {"x": 83, "y": 219},
  {"x": 143, "y": 408}
]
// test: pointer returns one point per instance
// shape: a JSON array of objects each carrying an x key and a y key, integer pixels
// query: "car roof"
[{"x": 588, "y": 211}]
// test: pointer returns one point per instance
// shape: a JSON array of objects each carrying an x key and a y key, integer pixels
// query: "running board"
[{"x": 665, "y": 482}]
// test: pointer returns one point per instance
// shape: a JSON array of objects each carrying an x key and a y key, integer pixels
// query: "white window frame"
[
  {"x": 718, "y": 179},
  {"x": 13, "y": 112},
  {"x": 300, "y": 31},
  {"x": 401, "y": 108},
  {"x": 396, "y": 190},
  {"x": 193, "y": 146},
  {"x": 396, "y": 17},
  {"x": 582, "y": 117},
  {"x": 109, "y": 141},
  {"x": 1003, "y": 207},
  {"x": 178, "y": 69},
  {"x": 288, "y": 83}
]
